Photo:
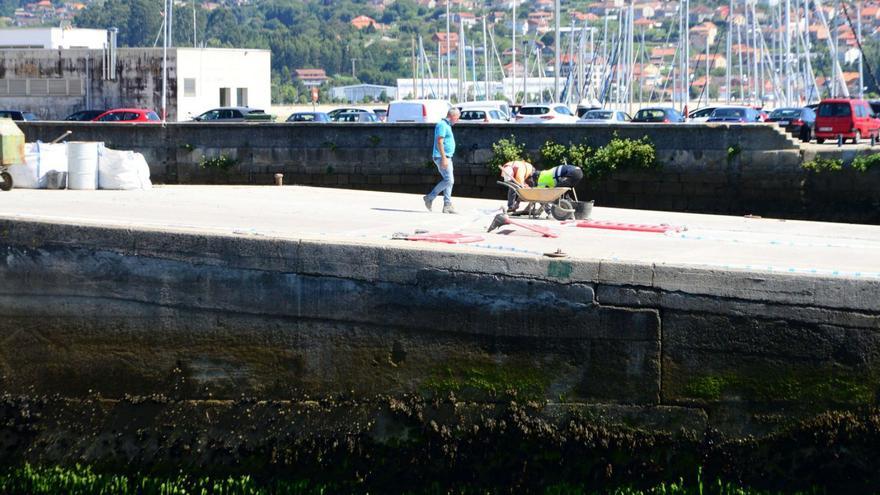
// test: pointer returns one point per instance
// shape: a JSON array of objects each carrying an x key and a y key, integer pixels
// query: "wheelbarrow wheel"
[
  {"x": 5, "y": 181},
  {"x": 563, "y": 210}
]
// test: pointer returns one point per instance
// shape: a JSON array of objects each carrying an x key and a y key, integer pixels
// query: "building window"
[
  {"x": 189, "y": 87},
  {"x": 225, "y": 97},
  {"x": 241, "y": 96}
]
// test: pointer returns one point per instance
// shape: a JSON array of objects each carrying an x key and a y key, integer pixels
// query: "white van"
[
  {"x": 499, "y": 104},
  {"x": 417, "y": 111}
]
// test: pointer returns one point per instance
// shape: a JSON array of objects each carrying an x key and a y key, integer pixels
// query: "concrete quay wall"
[
  {"x": 119, "y": 313},
  {"x": 729, "y": 169}
]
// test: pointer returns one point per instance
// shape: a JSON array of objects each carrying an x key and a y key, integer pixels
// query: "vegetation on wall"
[{"x": 618, "y": 154}]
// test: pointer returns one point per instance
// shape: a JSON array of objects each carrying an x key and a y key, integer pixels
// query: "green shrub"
[
  {"x": 820, "y": 164},
  {"x": 620, "y": 154},
  {"x": 863, "y": 163},
  {"x": 579, "y": 155},
  {"x": 553, "y": 154},
  {"x": 222, "y": 162},
  {"x": 505, "y": 150}
]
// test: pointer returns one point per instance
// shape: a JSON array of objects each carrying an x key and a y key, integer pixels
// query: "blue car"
[{"x": 308, "y": 117}]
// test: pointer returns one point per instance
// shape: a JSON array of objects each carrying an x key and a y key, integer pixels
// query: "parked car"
[
  {"x": 308, "y": 117},
  {"x": 735, "y": 114},
  {"x": 875, "y": 106},
  {"x": 500, "y": 105},
  {"x": 701, "y": 114},
  {"x": 849, "y": 118},
  {"x": 658, "y": 115},
  {"x": 550, "y": 113},
  {"x": 17, "y": 115},
  {"x": 84, "y": 115},
  {"x": 333, "y": 114},
  {"x": 356, "y": 117},
  {"x": 234, "y": 114},
  {"x": 798, "y": 121},
  {"x": 604, "y": 116},
  {"x": 585, "y": 106},
  {"x": 128, "y": 115},
  {"x": 417, "y": 111},
  {"x": 487, "y": 114}
]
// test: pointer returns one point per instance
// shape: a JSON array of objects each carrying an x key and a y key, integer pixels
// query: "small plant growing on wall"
[
  {"x": 222, "y": 162},
  {"x": 820, "y": 164},
  {"x": 620, "y": 154},
  {"x": 505, "y": 150},
  {"x": 863, "y": 163}
]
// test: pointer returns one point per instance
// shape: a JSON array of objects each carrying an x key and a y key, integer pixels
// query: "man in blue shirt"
[{"x": 444, "y": 148}]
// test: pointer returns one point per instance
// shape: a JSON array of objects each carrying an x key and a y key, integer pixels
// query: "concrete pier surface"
[
  {"x": 207, "y": 293},
  {"x": 371, "y": 218}
]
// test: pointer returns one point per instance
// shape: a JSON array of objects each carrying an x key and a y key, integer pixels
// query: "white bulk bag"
[
  {"x": 123, "y": 170},
  {"x": 27, "y": 175}
]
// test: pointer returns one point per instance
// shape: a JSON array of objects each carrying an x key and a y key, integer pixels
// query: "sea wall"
[{"x": 727, "y": 169}]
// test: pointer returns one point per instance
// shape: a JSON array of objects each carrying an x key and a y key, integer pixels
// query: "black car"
[
  {"x": 84, "y": 115},
  {"x": 663, "y": 115},
  {"x": 799, "y": 122},
  {"x": 17, "y": 115},
  {"x": 741, "y": 115}
]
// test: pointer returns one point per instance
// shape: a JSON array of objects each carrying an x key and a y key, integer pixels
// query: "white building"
[
  {"x": 53, "y": 38},
  {"x": 212, "y": 77},
  {"x": 360, "y": 92},
  {"x": 55, "y": 82}
]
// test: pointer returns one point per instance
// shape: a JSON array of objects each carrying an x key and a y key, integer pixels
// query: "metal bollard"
[
  {"x": 839, "y": 140},
  {"x": 279, "y": 179}
]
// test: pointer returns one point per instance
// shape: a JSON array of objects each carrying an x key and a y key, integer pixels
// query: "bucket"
[
  {"x": 582, "y": 209},
  {"x": 82, "y": 165},
  {"x": 56, "y": 179}
]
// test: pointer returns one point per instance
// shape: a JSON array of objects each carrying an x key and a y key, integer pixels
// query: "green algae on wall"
[
  {"x": 489, "y": 379},
  {"x": 814, "y": 386}
]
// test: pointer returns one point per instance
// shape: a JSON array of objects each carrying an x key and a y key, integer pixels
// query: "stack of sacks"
[{"x": 46, "y": 166}]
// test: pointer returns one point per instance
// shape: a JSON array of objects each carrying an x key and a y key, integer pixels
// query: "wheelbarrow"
[{"x": 555, "y": 201}]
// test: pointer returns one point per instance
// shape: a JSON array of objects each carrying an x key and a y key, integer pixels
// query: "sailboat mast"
[
  {"x": 485, "y": 62},
  {"x": 448, "y": 54},
  {"x": 556, "y": 52},
  {"x": 513, "y": 26}
]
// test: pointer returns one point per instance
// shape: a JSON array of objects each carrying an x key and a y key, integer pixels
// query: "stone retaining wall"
[{"x": 729, "y": 169}]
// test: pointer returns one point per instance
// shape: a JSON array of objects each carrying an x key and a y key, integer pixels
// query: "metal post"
[{"x": 165, "y": 65}]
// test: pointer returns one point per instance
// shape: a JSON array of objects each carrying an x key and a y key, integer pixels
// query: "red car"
[
  {"x": 128, "y": 115},
  {"x": 850, "y": 118}
]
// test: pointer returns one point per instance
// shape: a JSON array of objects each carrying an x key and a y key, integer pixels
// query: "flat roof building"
[
  {"x": 53, "y": 83},
  {"x": 52, "y": 38}
]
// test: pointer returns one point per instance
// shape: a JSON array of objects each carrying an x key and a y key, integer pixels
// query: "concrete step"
[{"x": 795, "y": 142}]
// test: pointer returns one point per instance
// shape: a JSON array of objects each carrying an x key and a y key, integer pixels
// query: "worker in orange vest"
[{"x": 519, "y": 172}]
